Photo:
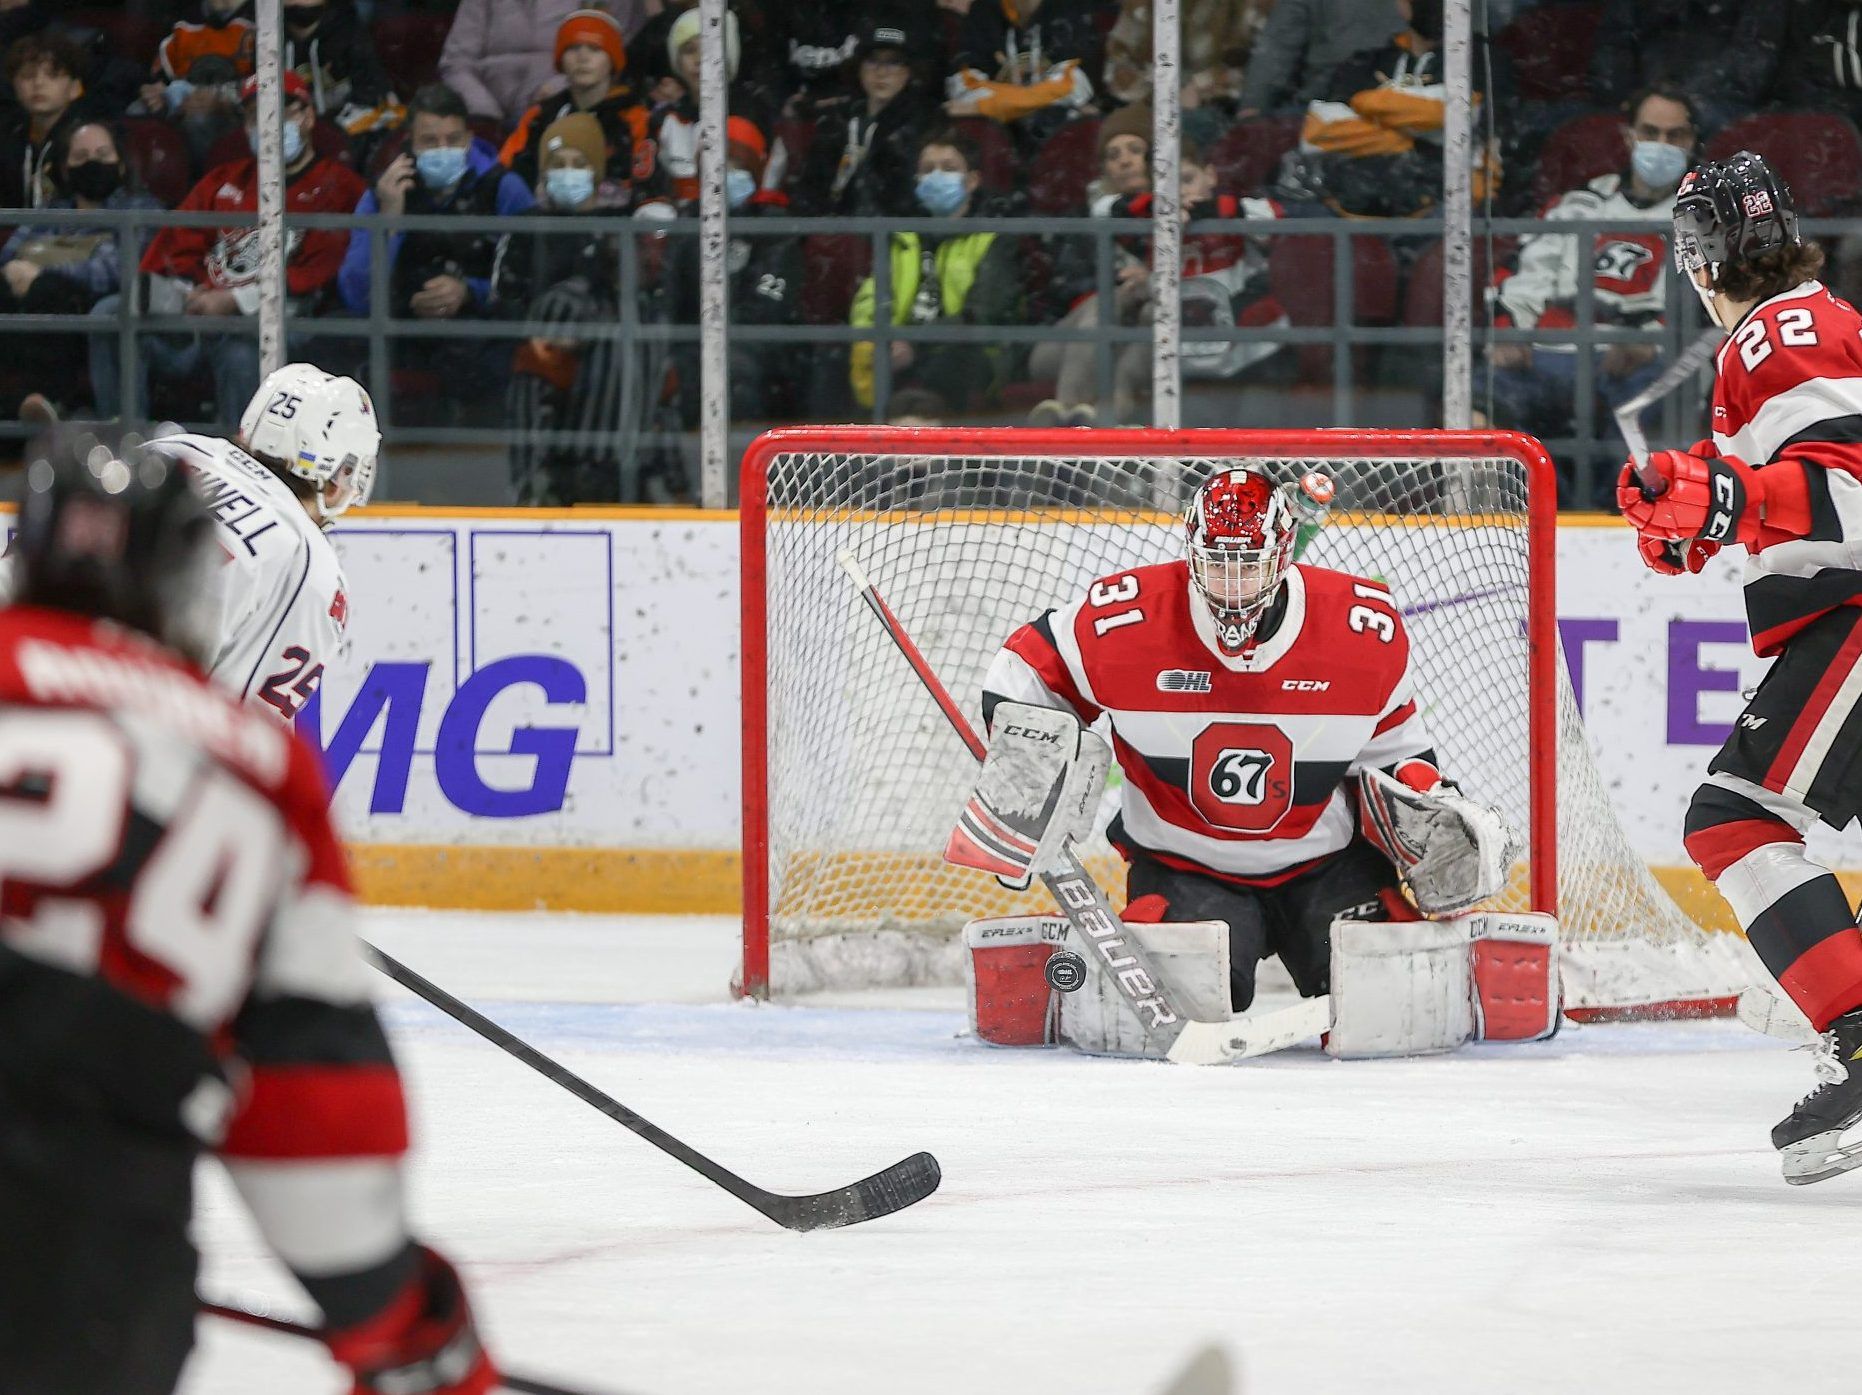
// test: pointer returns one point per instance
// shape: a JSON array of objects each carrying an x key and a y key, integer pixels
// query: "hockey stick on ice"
[
  {"x": 1629, "y": 415},
  {"x": 1111, "y": 949},
  {"x": 251, "y": 1317},
  {"x": 892, "y": 1189}
]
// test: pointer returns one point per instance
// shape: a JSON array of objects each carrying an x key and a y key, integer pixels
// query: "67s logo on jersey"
[{"x": 1241, "y": 775}]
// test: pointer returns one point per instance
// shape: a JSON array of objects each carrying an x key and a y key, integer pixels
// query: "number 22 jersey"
[{"x": 1234, "y": 766}]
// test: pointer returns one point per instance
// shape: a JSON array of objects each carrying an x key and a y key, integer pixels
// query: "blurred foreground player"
[
  {"x": 177, "y": 973},
  {"x": 1782, "y": 477},
  {"x": 1278, "y": 775}
]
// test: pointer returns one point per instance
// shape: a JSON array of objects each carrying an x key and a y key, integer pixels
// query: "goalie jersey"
[
  {"x": 280, "y": 596},
  {"x": 1788, "y": 396},
  {"x": 1239, "y": 767}
]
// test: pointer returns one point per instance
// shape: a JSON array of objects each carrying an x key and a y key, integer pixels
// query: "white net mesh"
[{"x": 865, "y": 775}]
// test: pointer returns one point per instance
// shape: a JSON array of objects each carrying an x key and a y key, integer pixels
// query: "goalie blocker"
[{"x": 1399, "y": 988}]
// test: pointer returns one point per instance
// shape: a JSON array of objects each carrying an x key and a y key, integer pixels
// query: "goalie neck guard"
[{"x": 1240, "y": 530}]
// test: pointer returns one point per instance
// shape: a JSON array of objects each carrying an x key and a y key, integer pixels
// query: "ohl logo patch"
[{"x": 1183, "y": 680}]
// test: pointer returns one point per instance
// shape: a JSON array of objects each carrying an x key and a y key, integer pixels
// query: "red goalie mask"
[{"x": 1240, "y": 529}]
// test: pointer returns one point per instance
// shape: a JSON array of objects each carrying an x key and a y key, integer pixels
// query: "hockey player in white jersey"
[{"x": 306, "y": 452}]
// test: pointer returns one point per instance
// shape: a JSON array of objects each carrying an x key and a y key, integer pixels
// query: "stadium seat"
[
  {"x": 1066, "y": 163},
  {"x": 1551, "y": 48},
  {"x": 1248, "y": 155},
  {"x": 409, "y": 48},
  {"x": 158, "y": 155},
  {"x": 132, "y": 36},
  {"x": 1576, "y": 153},
  {"x": 833, "y": 265},
  {"x": 1001, "y": 170},
  {"x": 1817, "y": 154},
  {"x": 1299, "y": 269},
  {"x": 1422, "y": 297},
  {"x": 796, "y": 136}
]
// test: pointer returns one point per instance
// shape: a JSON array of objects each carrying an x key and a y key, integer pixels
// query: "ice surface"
[{"x": 1601, "y": 1212}]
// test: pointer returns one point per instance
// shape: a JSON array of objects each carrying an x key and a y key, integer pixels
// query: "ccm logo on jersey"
[
  {"x": 1305, "y": 685},
  {"x": 1183, "y": 680}
]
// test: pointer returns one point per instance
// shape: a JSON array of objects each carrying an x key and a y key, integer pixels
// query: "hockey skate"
[{"x": 1811, "y": 1138}]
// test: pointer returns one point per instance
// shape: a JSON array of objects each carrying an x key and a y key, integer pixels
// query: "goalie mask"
[
  {"x": 1240, "y": 530},
  {"x": 1726, "y": 214}
]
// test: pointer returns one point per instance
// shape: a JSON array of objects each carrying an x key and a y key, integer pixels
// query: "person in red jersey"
[
  {"x": 178, "y": 975},
  {"x": 1782, "y": 477},
  {"x": 1245, "y": 695}
]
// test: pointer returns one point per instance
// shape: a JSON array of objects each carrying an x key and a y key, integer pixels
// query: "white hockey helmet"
[{"x": 320, "y": 428}]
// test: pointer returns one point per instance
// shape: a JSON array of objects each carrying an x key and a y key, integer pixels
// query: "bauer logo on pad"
[{"x": 1183, "y": 680}]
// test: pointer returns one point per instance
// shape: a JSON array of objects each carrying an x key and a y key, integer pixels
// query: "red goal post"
[{"x": 970, "y": 532}]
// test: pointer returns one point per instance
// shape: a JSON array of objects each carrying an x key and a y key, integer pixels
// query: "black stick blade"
[{"x": 905, "y": 1183}]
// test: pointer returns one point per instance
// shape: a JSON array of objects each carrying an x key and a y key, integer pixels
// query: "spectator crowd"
[{"x": 580, "y": 123}]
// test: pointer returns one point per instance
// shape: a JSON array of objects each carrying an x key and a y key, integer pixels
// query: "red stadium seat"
[
  {"x": 409, "y": 48},
  {"x": 1067, "y": 162},
  {"x": 1299, "y": 269},
  {"x": 1576, "y": 153},
  {"x": 132, "y": 35},
  {"x": 1550, "y": 48},
  {"x": 1818, "y": 155},
  {"x": 833, "y": 265},
  {"x": 997, "y": 152},
  {"x": 796, "y": 136},
  {"x": 1248, "y": 155},
  {"x": 1422, "y": 297},
  {"x": 158, "y": 155}
]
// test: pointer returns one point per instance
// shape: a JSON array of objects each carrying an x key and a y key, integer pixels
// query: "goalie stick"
[
  {"x": 906, "y": 1182},
  {"x": 1112, "y": 949},
  {"x": 253, "y": 1317}
]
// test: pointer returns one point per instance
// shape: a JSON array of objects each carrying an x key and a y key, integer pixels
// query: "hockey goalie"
[{"x": 1280, "y": 791}]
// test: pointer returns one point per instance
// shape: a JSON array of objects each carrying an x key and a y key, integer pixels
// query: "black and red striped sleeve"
[{"x": 1032, "y": 667}]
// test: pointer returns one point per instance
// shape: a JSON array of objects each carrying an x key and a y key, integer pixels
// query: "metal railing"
[{"x": 642, "y": 330}]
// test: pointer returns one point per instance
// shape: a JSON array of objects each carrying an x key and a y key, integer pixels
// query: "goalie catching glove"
[
  {"x": 1039, "y": 788},
  {"x": 1453, "y": 852}
]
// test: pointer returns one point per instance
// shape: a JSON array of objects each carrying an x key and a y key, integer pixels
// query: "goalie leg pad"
[
  {"x": 1515, "y": 969},
  {"x": 1192, "y": 959},
  {"x": 1011, "y": 1003},
  {"x": 1399, "y": 989}
]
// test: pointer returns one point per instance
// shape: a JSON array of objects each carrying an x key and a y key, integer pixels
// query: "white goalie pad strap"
[
  {"x": 1408, "y": 988},
  {"x": 1040, "y": 787},
  {"x": 1399, "y": 988},
  {"x": 1453, "y": 852},
  {"x": 1190, "y": 957},
  {"x": 1004, "y": 966}
]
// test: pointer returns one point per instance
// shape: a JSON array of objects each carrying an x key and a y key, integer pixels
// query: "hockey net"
[{"x": 852, "y": 777}]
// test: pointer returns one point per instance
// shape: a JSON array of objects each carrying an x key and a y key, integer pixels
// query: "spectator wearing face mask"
[
  {"x": 565, "y": 399},
  {"x": 436, "y": 275},
  {"x": 47, "y": 75},
  {"x": 214, "y": 272},
  {"x": 954, "y": 277},
  {"x": 591, "y": 53},
  {"x": 675, "y": 125},
  {"x": 67, "y": 270},
  {"x": 1533, "y": 384},
  {"x": 764, "y": 279},
  {"x": 327, "y": 44},
  {"x": 864, "y": 158},
  {"x": 197, "y": 72}
]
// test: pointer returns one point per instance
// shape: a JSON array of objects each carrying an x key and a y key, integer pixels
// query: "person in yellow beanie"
[{"x": 591, "y": 53}]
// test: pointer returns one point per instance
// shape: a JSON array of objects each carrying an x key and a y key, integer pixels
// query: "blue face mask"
[
  {"x": 293, "y": 142},
  {"x": 442, "y": 167},
  {"x": 569, "y": 188},
  {"x": 739, "y": 185},
  {"x": 942, "y": 192},
  {"x": 1659, "y": 164}
]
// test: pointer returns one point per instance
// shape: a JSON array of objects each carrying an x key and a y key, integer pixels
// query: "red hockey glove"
[
  {"x": 1671, "y": 557},
  {"x": 423, "y": 1343},
  {"x": 1717, "y": 499}
]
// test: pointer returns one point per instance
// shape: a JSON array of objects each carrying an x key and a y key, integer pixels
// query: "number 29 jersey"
[{"x": 1234, "y": 766}]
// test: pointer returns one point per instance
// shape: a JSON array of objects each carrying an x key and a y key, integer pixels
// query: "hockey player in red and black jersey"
[
  {"x": 1247, "y": 697},
  {"x": 178, "y": 975},
  {"x": 1782, "y": 477}
]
